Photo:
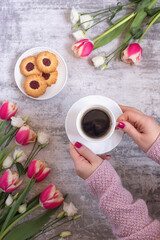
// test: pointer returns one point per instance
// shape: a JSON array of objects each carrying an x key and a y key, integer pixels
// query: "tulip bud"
[
  {"x": 9, "y": 200},
  {"x": 74, "y": 16},
  {"x": 19, "y": 155},
  {"x": 42, "y": 138},
  {"x": 61, "y": 215},
  {"x": 98, "y": 61},
  {"x": 7, "y": 110},
  {"x": 132, "y": 54},
  {"x": 51, "y": 197},
  {"x": 7, "y": 162},
  {"x": 25, "y": 135},
  {"x": 38, "y": 170},
  {"x": 65, "y": 234},
  {"x": 22, "y": 208},
  {"x": 70, "y": 209},
  {"x": 86, "y": 21},
  {"x": 83, "y": 48},
  {"x": 78, "y": 35},
  {"x": 9, "y": 181},
  {"x": 17, "y": 122}
]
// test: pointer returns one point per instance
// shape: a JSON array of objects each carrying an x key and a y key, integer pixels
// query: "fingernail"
[
  {"x": 78, "y": 145},
  {"x": 121, "y": 125}
]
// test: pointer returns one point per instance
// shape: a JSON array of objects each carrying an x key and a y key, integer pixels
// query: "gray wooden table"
[{"x": 26, "y": 24}]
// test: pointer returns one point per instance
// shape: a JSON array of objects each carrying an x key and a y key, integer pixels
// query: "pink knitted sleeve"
[
  {"x": 154, "y": 151},
  {"x": 129, "y": 218}
]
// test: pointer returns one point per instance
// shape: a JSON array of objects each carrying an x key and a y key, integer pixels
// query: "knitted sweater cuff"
[{"x": 154, "y": 151}]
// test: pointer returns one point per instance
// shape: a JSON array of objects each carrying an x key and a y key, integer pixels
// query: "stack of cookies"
[{"x": 40, "y": 73}]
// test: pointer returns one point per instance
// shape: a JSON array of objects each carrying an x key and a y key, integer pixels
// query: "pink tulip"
[
  {"x": 25, "y": 135},
  {"x": 83, "y": 48},
  {"x": 10, "y": 181},
  {"x": 8, "y": 110},
  {"x": 38, "y": 170},
  {"x": 51, "y": 197},
  {"x": 132, "y": 54}
]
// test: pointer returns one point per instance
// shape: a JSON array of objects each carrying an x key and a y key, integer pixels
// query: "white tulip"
[
  {"x": 74, "y": 16},
  {"x": 98, "y": 61},
  {"x": 9, "y": 200},
  {"x": 22, "y": 208},
  {"x": 70, "y": 209},
  {"x": 19, "y": 155},
  {"x": 42, "y": 138},
  {"x": 78, "y": 35},
  {"x": 7, "y": 162},
  {"x": 86, "y": 21},
  {"x": 17, "y": 121}
]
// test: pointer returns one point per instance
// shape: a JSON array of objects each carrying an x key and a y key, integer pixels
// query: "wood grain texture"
[{"x": 26, "y": 24}]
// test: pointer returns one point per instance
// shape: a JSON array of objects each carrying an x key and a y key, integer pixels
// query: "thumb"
[{"x": 129, "y": 129}]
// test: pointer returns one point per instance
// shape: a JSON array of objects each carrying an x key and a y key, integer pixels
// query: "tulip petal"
[
  {"x": 32, "y": 168},
  {"x": 51, "y": 205},
  {"x": 22, "y": 137},
  {"x": 43, "y": 175},
  {"x": 47, "y": 193},
  {"x": 5, "y": 180},
  {"x": 13, "y": 187}
]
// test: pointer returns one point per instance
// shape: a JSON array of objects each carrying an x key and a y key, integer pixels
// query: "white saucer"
[
  {"x": 98, "y": 147},
  {"x": 55, "y": 88}
]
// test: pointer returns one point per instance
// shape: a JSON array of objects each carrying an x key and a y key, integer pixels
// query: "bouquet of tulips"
[
  {"x": 142, "y": 16},
  {"x": 15, "y": 206}
]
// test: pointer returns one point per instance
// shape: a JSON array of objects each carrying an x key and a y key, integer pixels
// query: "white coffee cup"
[{"x": 87, "y": 109}]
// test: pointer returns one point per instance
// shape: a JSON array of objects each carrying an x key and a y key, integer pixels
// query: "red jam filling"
[
  {"x": 46, "y": 62},
  {"x": 34, "y": 84},
  {"x": 29, "y": 66},
  {"x": 46, "y": 75}
]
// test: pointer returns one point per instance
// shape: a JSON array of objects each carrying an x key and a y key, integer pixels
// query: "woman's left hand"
[{"x": 85, "y": 161}]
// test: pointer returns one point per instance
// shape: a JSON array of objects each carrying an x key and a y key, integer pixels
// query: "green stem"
[
  {"x": 32, "y": 156},
  {"x": 17, "y": 220},
  {"x": 115, "y": 26},
  {"x": 2, "y": 125},
  {"x": 32, "y": 149},
  {"x": 151, "y": 23},
  {"x": 6, "y": 155}
]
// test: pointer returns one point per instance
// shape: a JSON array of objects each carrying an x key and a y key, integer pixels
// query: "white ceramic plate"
[
  {"x": 98, "y": 147},
  {"x": 50, "y": 91}
]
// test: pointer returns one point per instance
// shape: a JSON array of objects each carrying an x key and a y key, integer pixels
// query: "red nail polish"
[
  {"x": 121, "y": 125},
  {"x": 78, "y": 145}
]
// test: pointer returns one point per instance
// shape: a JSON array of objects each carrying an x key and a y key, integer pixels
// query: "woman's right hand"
[{"x": 141, "y": 128}]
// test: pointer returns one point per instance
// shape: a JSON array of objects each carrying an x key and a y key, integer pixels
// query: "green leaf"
[
  {"x": 152, "y": 11},
  {"x": 16, "y": 205},
  {"x": 2, "y": 152},
  {"x": 4, "y": 138},
  {"x": 112, "y": 32},
  {"x": 144, "y": 4},
  {"x": 136, "y": 32},
  {"x": 29, "y": 228},
  {"x": 151, "y": 18},
  {"x": 20, "y": 168}
]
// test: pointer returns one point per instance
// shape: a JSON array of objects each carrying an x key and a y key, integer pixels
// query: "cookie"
[
  {"x": 28, "y": 66},
  {"x": 46, "y": 62},
  {"x": 35, "y": 85},
  {"x": 50, "y": 78}
]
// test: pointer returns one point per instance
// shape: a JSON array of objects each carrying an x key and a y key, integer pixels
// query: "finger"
[
  {"x": 105, "y": 157},
  {"x": 131, "y": 117},
  {"x": 130, "y": 130},
  {"x": 127, "y": 108},
  {"x": 87, "y": 153},
  {"x": 77, "y": 158}
]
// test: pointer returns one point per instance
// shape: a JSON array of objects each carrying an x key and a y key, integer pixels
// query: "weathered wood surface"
[{"x": 26, "y": 24}]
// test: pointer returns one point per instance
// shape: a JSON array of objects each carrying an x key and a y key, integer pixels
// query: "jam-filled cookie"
[
  {"x": 50, "y": 78},
  {"x": 35, "y": 85},
  {"x": 28, "y": 66},
  {"x": 46, "y": 62}
]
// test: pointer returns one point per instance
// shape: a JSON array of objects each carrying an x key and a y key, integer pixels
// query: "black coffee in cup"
[{"x": 95, "y": 123}]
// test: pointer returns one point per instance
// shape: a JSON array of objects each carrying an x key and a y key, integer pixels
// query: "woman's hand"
[
  {"x": 141, "y": 128},
  {"x": 85, "y": 161}
]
